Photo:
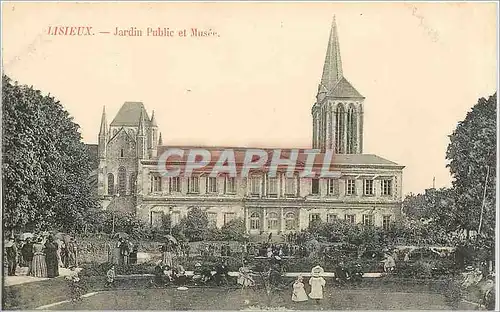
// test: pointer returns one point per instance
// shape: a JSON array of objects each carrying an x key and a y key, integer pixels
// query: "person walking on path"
[
  {"x": 39, "y": 267},
  {"x": 51, "y": 258},
  {"x": 27, "y": 252},
  {"x": 11, "y": 252}
]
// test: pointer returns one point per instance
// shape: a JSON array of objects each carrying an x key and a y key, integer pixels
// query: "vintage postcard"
[{"x": 249, "y": 156}]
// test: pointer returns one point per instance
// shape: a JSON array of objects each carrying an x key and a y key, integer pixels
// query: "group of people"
[
  {"x": 316, "y": 282},
  {"x": 42, "y": 254},
  {"x": 212, "y": 249},
  {"x": 123, "y": 253}
]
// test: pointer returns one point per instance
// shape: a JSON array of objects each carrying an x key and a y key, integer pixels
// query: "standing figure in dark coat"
[
  {"x": 11, "y": 252},
  {"x": 71, "y": 251},
  {"x": 51, "y": 257},
  {"x": 27, "y": 252},
  {"x": 125, "y": 251}
]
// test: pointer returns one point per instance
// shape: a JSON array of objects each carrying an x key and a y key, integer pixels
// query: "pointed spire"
[
  {"x": 153, "y": 120},
  {"x": 332, "y": 69},
  {"x": 160, "y": 141},
  {"x": 141, "y": 130},
  {"x": 102, "y": 130}
]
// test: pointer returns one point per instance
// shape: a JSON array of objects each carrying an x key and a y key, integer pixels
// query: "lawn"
[{"x": 234, "y": 299}]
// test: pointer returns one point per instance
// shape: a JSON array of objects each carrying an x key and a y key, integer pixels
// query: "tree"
[
  {"x": 472, "y": 162},
  {"x": 45, "y": 163},
  {"x": 234, "y": 230},
  {"x": 435, "y": 205},
  {"x": 195, "y": 224}
]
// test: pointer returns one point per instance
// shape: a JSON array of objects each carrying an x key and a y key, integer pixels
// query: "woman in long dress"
[
  {"x": 317, "y": 283},
  {"x": 299, "y": 293},
  {"x": 39, "y": 267},
  {"x": 168, "y": 257},
  {"x": 51, "y": 257}
]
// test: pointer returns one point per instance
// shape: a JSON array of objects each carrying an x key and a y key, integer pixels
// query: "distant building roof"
[
  {"x": 129, "y": 115},
  {"x": 239, "y": 154}
]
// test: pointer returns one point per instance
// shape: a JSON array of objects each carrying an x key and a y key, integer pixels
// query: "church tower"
[
  {"x": 153, "y": 137},
  {"x": 102, "y": 142},
  {"x": 141, "y": 139},
  {"x": 338, "y": 111}
]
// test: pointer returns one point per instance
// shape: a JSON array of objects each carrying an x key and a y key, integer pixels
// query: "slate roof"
[
  {"x": 239, "y": 153},
  {"x": 344, "y": 89},
  {"x": 129, "y": 115}
]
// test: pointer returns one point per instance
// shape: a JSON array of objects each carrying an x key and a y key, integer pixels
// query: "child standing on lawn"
[
  {"x": 317, "y": 283},
  {"x": 111, "y": 275},
  {"x": 299, "y": 293}
]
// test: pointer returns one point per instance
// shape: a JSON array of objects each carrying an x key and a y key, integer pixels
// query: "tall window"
[
  {"x": 339, "y": 129},
  {"x": 272, "y": 221},
  {"x": 230, "y": 185},
  {"x": 176, "y": 218},
  {"x": 272, "y": 186},
  {"x": 331, "y": 187},
  {"x": 368, "y": 187},
  {"x": 255, "y": 221},
  {"x": 122, "y": 181},
  {"x": 155, "y": 183},
  {"x": 315, "y": 187},
  {"x": 314, "y": 217},
  {"x": 211, "y": 184},
  {"x": 290, "y": 221},
  {"x": 387, "y": 187},
  {"x": 290, "y": 186},
  {"x": 175, "y": 184},
  {"x": 255, "y": 185},
  {"x": 386, "y": 223},
  {"x": 121, "y": 152},
  {"x": 351, "y": 131},
  {"x": 228, "y": 217},
  {"x": 193, "y": 185},
  {"x": 156, "y": 218},
  {"x": 368, "y": 219},
  {"x": 133, "y": 179},
  {"x": 111, "y": 184},
  {"x": 331, "y": 217},
  {"x": 350, "y": 187},
  {"x": 350, "y": 218},
  {"x": 212, "y": 219}
]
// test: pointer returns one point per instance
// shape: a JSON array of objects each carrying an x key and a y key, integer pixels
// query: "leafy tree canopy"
[{"x": 45, "y": 163}]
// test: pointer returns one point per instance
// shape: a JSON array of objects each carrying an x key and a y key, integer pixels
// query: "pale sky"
[{"x": 420, "y": 66}]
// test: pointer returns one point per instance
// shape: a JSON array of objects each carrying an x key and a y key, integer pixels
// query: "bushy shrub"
[{"x": 453, "y": 293}]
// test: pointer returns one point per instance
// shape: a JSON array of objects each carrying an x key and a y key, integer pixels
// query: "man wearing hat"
[
  {"x": 11, "y": 253},
  {"x": 317, "y": 283}
]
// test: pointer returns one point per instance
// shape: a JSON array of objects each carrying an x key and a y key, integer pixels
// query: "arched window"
[
  {"x": 290, "y": 221},
  {"x": 133, "y": 177},
  {"x": 339, "y": 129},
  {"x": 111, "y": 184},
  {"x": 272, "y": 221},
  {"x": 255, "y": 221},
  {"x": 351, "y": 130},
  {"x": 122, "y": 181}
]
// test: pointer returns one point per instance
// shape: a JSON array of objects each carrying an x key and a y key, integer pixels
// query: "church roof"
[
  {"x": 129, "y": 115},
  {"x": 333, "y": 82},
  {"x": 344, "y": 89},
  {"x": 332, "y": 68},
  {"x": 337, "y": 159}
]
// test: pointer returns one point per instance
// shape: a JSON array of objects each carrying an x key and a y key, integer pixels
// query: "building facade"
[{"x": 367, "y": 190}]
